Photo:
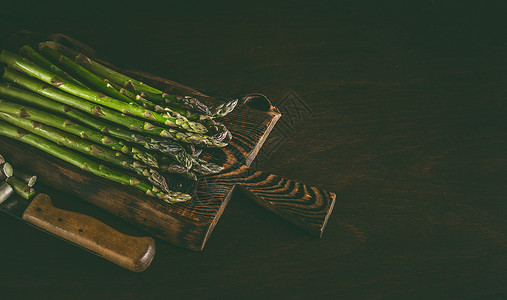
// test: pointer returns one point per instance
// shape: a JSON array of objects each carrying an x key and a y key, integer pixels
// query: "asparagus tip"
[
  {"x": 31, "y": 181},
  {"x": 81, "y": 58}
]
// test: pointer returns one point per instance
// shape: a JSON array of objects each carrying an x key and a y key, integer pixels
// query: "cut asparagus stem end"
[
  {"x": 26, "y": 178},
  {"x": 31, "y": 181},
  {"x": 21, "y": 188},
  {"x": 7, "y": 170}
]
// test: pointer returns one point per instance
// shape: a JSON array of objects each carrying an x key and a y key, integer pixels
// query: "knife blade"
[{"x": 132, "y": 253}]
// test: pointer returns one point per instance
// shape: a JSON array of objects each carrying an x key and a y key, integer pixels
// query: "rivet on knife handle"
[{"x": 133, "y": 253}]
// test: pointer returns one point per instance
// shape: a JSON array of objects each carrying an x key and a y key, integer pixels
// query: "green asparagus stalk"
[
  {"x": 163, "y": 105},
  {"x": 173, "y": 168},
  {"x": 186, "y": 105},
  {"x": 135, "y": 98},
  {"x": 175, "y": 153},
  {"x": 33, "y": 70},
  {"x": 21, "y": 188},
  {"x": 192, "y": 150},
  {"x": 81, "y": 104},
  {"x": 113, "y": 76},
  {"x": 132, "y": 85},
  {"x": 172, "y": 164},
  {"x": 223, "y": 109},
  {"x": 82, "y": 74},
  {"x": 147, "y": 92},
  {"x": 217, "y": 130},
  {"x": 28, "y": 179},
  {"x": 38, "y": 59},
  {"x": 106, "y": 113},
  {"x": 88, "y": 165},
  {"x": 78, "y": 130},
  {"x": 155, "y": 144},
  {"x": 145, "y": 100},
  {"x": 205, "y": 168},
  {"x": 113, "y": 90},
  {"x": 87, "y": 147},
  {"x": 30, "y": 98}
]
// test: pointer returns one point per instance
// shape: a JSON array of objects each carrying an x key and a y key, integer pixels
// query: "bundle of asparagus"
[{"x": 107, "y": 123}]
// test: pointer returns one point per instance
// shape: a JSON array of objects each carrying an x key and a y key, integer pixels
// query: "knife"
[{"x": 132, "y": 253}]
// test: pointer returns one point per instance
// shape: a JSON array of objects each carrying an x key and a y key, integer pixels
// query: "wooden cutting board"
[{"x": 188, "y": 224}]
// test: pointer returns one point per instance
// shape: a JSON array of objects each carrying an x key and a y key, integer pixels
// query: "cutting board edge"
[{"x": 276, "y": 115}]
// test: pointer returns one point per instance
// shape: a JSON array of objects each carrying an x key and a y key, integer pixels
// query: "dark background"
[{"x": 408, "y": 128}]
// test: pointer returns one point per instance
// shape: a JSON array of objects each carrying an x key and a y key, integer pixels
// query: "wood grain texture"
[
  {"x": 306, "y": 206},
  {"x": 132, "y": 253}
]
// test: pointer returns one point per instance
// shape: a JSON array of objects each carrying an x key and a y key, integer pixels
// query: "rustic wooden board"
[{"x": 189, "y": 224}]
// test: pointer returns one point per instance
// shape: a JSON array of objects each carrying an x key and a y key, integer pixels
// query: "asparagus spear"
[
  {"x": 172, "y": 165},
  {"x": 223, "y": 109},
  {"x": 217, "y": 130},
  {"x": 87, "y": 147},
  {"x": 191, "y": 107},
  {"x": 147, "y": 92},
  {"x": 81, "y": 73},
  {"x": 150, "y": 93},
  {"x": 155, "y": 102},
  {"x": 29, "y": 180},
  {"x": 34, "y": 56},
  {"x": 116, "y": 77},
  {"x": 21, "y": 188},
  {"x": 187, "y": 106},
  {"x": 106, "y": 113},
  {"x": 99, "y": 69},
  {"x": 146, "y": 100},
  {"x": 135, "y": 98},
  {"x": 79, "y": 161},
  {"x": 114, "y": 90},
  {"x": 205, "y": 168},
  {"x": 76, "y": 129},
  {"x": 173, "y": 168},
  {"x": 26, "y": 97},
  {"x": 192, "y": 150},
  {"x": 63, "y": 84}
]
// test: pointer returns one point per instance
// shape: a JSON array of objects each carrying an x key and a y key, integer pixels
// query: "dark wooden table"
[{"x": 403, "y": 116}]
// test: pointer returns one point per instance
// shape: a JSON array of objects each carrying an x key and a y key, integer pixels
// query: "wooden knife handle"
[
  {"x": 306, "y": 206},
  {"x": 132, "y": 253}
]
